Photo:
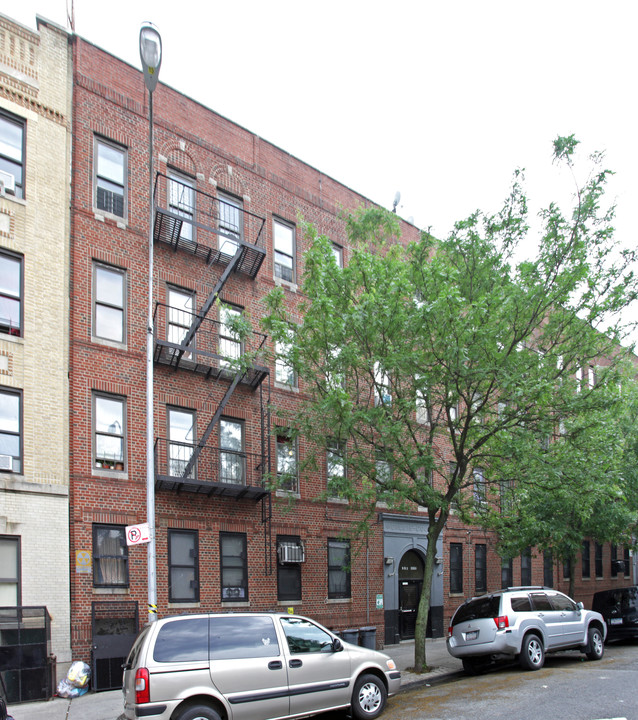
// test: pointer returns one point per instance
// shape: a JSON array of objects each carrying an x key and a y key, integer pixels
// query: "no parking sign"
[{"x": 136, "y": 534}]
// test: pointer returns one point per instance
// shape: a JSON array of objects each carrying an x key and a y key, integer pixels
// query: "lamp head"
[{"x": 150, "y": 54}]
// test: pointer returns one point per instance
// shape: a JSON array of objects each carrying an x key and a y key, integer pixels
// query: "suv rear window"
[
  {"x": 521, "y": 604},
  {"x": 182, "y": 641},
  {"x": 485, "y": 607}
]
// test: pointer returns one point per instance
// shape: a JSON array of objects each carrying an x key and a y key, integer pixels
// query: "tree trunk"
[{"x": 420, "y": 664}]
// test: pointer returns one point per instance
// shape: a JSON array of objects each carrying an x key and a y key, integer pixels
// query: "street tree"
[{"x": 414, "y": 358}]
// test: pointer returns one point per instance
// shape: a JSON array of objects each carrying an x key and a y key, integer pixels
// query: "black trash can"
[
  {"x": 351, "y": 636},
  {"x": 368, "y": 637}
]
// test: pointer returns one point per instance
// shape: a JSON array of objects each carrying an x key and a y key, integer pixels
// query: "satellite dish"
[{"x": 397, "y": 198}]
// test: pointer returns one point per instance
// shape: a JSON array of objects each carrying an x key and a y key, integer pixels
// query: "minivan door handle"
[
  {"x": 275, "y": 665},
  {"x": 295, "y": 663}
]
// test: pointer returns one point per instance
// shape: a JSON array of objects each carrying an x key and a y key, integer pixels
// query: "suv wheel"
[
  {"x": 199, "y": 712},
  {"x": 368, "y": 697},
  {"x": 596, "y": 645},
  {"x": 532, "y": 655}
]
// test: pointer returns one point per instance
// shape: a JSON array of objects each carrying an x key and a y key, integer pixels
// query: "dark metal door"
[{"x": 409, "y": 594}]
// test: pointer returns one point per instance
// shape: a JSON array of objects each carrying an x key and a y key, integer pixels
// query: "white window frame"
[
  {"x": 231, "y": 346},
  {"x": 181, "y": 443},
  {"x": 11, "y": 431},
  {"x": 10, "y": 583},
  {"x": 102, "y": 181},
  {"x": 290, "y": 473},
  {"x": 236, "y": 456},
  {"x": 231, "y": 223},
  {"x": 12, "y": 157},
  {"x": 108, "y": 302},
  {"x": 281, "y": 253},
  {"x": 284, "y": 372},
  {"x": 180, "y": 314},
  {"x": 182, "y": 202}
]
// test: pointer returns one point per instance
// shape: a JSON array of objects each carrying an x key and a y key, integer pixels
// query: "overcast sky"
[{"x": 439, "y": 100}]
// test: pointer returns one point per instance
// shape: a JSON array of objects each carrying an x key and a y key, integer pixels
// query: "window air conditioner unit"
[
  {"x": 8, "y": 182},
  {"x": 6, "y": 462},
  {"x": 291, "y": 553}
]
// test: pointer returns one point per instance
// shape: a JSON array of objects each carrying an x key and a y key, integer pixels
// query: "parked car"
[
  {"x": 619, "y": 607},
  {"x": 251, "y": 666},
  {"x": 523, "y": 622}
]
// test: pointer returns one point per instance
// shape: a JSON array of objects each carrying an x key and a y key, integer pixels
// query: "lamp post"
[{"x": 151, "y": 56}]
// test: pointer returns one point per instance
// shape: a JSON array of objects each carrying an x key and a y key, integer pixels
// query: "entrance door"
[{"x": 410, "y": 584}]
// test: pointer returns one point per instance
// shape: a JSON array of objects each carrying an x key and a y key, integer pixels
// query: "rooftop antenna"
[{"x": 397, "y": 197}]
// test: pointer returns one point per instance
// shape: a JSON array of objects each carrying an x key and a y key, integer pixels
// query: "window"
[
  {"x": 338, "y": 568},
  {"x": 452, "y": 408},
  {"x": 383, "y": 477},
  {"x": 507, "y": 573},
  {"x": 507, "y": 495},
  {"x": 479, "y": 486},
  {"x": 548, "y": 569},
  {"x": 627, "y": 563},
  {"x": 110, "y": 556},
  {"x": 382, "y": 394},
  {"x": 456, "y": 568},
  {"x": 284, "y": 371},
  {"x": 284, "y": 250},
  {"x": 231, "y": 218},
  {"x": 287, "y": 471},
  {"x": 238, "y": 637},
  {"x": 183, "y": 640},
  {"x": 422, "y": 413},
  {"x": 110, "y": 180},
  {"x": 234, "y": 567},
  {"x": 11, "y": 290},
  {"x": 303, "y": 636},
  {"x": 337, "y": 251},
  {"x": 181, "y": 441},
  {"x": 181, "y": 311},
  {"x": 231, "y": 455},
  {"x": 335, "y": 467},
  {"x": 181, "y": 201},
  {"x": 335, "y": 377},
  {"x": 109, "y": 424},
  {"x": 586, "y": 562},
  {"x": 480, "y": 568},
  {"x": 230, "y": 345},
  {"x": 109, "y": 303},
  {"x": 598, "y": 560},
  {"x": 10, "y": 588},
  {"x": 614, "y": 560},
  {"x": 526, "y": 567},
  {"x": 10, "y": 431},
  {"x": 12, "y": 148},
  {"x": 183, "y": 566},
  {"x": 288, "y": 571}
]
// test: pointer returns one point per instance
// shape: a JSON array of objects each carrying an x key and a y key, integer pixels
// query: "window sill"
[
  {"x": 286, "y": 603},
  {"x": 111, "y": 591},
  {"x": 109, "y": 343},
  {"x": 288, "y": 494},
  {"x": 102, "y": 217},
  {"x": 183, "y": 605},
  {"x": 111, "y": 474},
  {"x": 18, "y": 339},
  {"x": 13, "y": 198},
  {"x": 242, "y": 604},
  {"x": 338, "y": 601},
  {"x": 338, "y": 501},
  {"x": 293, "y": 287}
]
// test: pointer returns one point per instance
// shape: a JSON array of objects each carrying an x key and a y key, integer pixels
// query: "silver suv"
[
  {"x": 251, "y": 666},
  {"x": 526, "y": 622}
]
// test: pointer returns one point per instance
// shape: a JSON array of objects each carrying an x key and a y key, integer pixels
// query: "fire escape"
[{"x": 225, "y": 235}]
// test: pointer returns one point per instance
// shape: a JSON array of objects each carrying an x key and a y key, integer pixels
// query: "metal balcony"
[
  {"x": 216, "y": 471},
  {"x": 214, "y": 352},
  {"x": 209, "y": 227}
]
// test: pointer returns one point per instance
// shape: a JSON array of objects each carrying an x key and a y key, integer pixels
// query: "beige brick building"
[{"x": 35, "y": 145}]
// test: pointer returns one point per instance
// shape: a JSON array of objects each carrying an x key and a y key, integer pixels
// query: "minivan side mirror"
[
  {"x": 337, "y": 645},
  {"x": 580, "y": 606}
]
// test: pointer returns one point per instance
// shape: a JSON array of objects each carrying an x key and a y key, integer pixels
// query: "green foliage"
[{"x": 437, "y": 357}]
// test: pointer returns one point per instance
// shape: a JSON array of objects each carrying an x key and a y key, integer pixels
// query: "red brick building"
[{"x": 227, "y": 205}]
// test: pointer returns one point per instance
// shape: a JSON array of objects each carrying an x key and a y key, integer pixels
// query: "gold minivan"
[{"x": 251, "y": 666}]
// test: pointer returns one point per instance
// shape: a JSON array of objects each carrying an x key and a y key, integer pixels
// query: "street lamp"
[{"x": 151, "y": 56}]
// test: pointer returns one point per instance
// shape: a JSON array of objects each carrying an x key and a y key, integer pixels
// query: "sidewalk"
[{"x": 109, "y": 706}]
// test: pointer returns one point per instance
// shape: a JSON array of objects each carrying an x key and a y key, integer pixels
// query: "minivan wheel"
[
  {"x": 532, "y": 655},
  {"x": 199, "y": 712},
  {"x": 596, "y": 644},
  {"x": 368, "y": 697}
]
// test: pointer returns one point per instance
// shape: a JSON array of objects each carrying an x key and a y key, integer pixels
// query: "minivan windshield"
[{"x": 484, "y": 607}]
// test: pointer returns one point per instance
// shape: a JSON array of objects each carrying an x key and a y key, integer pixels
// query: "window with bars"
[
  {"x": 289, "y": 549},
  {"x": 110, "y": 177}
]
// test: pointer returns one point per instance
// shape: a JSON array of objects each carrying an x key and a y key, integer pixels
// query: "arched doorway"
[{"x": 410, "y": 584}]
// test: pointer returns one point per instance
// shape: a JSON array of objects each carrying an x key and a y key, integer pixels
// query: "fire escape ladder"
[
  {"x": 210, "y": 300},
  {"x": 211, "y": 425}
]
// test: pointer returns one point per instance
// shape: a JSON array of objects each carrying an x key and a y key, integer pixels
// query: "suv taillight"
[
  {"x": 142, "y": 686},
  {"x": 502, "y": 622},
  {"x": 450, "y": 631}
]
